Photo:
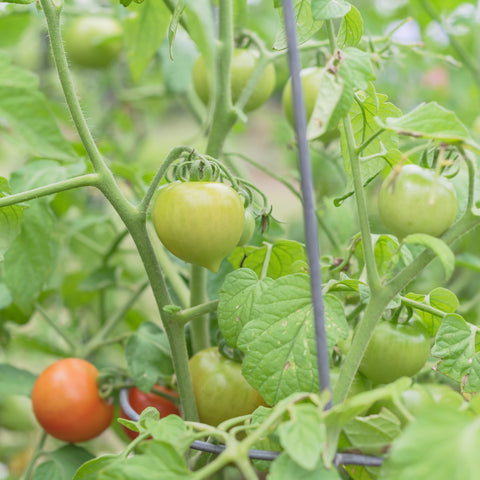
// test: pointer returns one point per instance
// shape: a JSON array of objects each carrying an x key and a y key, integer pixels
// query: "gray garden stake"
[{"x": 309, "y": 210}]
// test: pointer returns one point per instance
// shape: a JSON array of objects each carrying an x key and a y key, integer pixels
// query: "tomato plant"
[
  {"x": 199, "y": 222},
  {"x": 93, "y": 41},
  {"x": 395, "y": 350},
  {"x": 221, "y": 391},
  {"x": 139, "y": 401},
  {"x": 243, "y": 64},
  {"x": 66, "y": 401},
  {"x": 417, "y": 200}
]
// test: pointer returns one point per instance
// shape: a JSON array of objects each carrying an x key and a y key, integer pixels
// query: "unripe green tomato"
[
  {"x": 16, "y": 413},
  {"x": 310, "y": 78},
  {"x": 93, "y": 41},
  {"x": 417, "y": 200},
  {"x": 243, "y": 64},
  {"x": 248, "y": 228},
  {"x": 394, "y": 351},
  {"x": 199, "y": 222},
  {"x": 221, "y": 391},
  {"x": 418, "y": 398}
]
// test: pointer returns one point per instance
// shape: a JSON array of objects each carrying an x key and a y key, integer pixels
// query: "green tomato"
[
  {"x": 310, "y": 78},
  {"x": 248, "y": 228},
  {"x": 93, "y": 41},
  {"x": 199, "y": 222},
  {"x": 243, "y": 64},
  {"x": 16, "y": 413},
  {"x": 418, "y": 398},
  {"x": 221, "y": 391},
  {"x": 417, "y": 200},
  {"x": 394, "y": 351}
]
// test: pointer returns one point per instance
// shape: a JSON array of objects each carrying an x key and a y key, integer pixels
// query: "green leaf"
[
  {"x": 372, "y": 434},
  {"x": 287, "y": 257},
  {"x": 329, "y": 9},
  {"x": 429, "y": 120},
  {"x": 307, "y": 26},
  {"x": 144, "y": 31},
  {"x": 13, "y": 27},
  {"x": 351, "y": 29},
  {"x": 388, "y": 257},
  {"x": 155, "y": 460},
  {"x": 441, "y": 444},
  {"x": 236, "y": 301},
  {"x": 303, "y": 435},
  {"x": 285, "y": 468},
  {"x": 31, "y": 256},
  {"x": 11, "y": 219},
  {"x": 172, "y": 430},
  {"x": 31, "y": 124},
  {"x": 5, "y": 297},
  {"x": 279, "y": 339},
  {"x": 438, "y": 246},
  {"x": 455, "y": 347},
  {"x": 94, "y": 469},
  {"x": 148, "y": 356},
  {"x": 14, "y": 381},
  {"x": 441, "y": 299},
  {"x": 62, "y": 463},
  {"x": 329, "y": 94}
]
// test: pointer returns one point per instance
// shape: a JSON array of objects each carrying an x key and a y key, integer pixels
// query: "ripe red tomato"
[
  {"x": 139, "y": 401},
  {"x": 199, "y": 222},
  {"x": 66, "y": 401}
]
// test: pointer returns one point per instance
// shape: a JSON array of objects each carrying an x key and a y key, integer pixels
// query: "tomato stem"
[{"x": 200, "y": 329}]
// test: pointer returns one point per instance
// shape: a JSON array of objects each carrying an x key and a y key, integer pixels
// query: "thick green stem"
[
  {"x": 224, "y": 115},
  {"x": 200, "y": 328},
  {"x": 197, "y": 311}
]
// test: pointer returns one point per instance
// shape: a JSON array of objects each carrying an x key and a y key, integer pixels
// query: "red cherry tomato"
[{"x": 66, "y": 402}]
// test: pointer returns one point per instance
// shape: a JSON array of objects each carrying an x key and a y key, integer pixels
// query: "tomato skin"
[
  {"x": 93, "y": 41},
  {"x": 66, "y": 401},
  {"x": 394, "y": 351},
  {"x": 199, "y": 222},
  {"x": 248, "y": 228},
  {"x": 221, "y": 391},
  {"x": 139, "y": 401},
  {"x": 417, "y": 200},
  {"x": 243, "y": 64},
  {"x": 310, "y": 79}
]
